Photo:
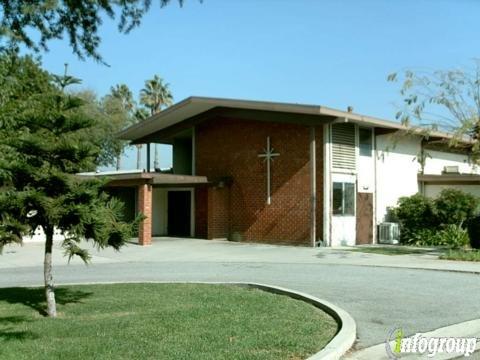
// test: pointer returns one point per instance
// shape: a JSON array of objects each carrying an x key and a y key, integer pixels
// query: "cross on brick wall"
[{"x": 268, "y": 155}]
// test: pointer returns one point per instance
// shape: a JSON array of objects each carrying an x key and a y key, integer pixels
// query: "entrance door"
[
  {"x": 364, "y": 218},
  {"x": 343, "y": 209},
  {"x": 179, "y": 213}
]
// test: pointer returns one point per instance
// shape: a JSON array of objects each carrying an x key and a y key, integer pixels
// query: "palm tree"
[
  {"x": 62, "y": 81},
  {"x": 140, "y": 115},
  {"x": 123, "y": 94},
  {"x": 155, "y": 95}
]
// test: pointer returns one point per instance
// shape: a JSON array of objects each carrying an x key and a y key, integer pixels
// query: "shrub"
[
  {"x": 415, "y": 213},
  {"x": 420, "y": 237},
  {"x": 454, "y": 236},
  {"x": 455, "y": 206},
  {"x": 449, "y": 220}
]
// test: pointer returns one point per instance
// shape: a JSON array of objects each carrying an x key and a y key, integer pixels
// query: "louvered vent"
[{"x": 343, "y": 146}]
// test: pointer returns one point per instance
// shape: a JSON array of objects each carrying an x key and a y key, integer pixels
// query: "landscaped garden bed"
[{"x": 161, "y": 321}]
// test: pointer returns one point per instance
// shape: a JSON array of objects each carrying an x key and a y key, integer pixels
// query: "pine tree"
[{"x": 45, "y": 141}]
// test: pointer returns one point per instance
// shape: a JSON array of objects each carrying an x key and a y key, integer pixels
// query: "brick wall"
[
  {"x": 230, "y": 147},
  {"x": 218, "y": 213},
  {"x": 201, "y": 212},
  {"x": 145, "y": 207}
]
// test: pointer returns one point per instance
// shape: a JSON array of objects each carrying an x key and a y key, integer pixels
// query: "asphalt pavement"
[{"x": 378, "y": 296}]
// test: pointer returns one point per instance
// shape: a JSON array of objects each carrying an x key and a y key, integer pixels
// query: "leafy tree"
[
  {"x": 111, "y": 118},
  {"x": 443, "y": 100},
  {"x": 45, "y": 141},
  {"x": 33, "y": 23},
  {"x": 154, "y": 96},
  {"x": 19, "y": 78},
  {"x": 120, "y": 103}
]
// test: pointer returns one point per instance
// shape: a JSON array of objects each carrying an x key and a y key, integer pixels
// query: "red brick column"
[{"x": 145, "y": 207}]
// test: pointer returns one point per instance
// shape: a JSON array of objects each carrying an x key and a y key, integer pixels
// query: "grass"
[
  {"x": 391, "y": 250},
  {"x": 462, "y": 255},
  {"x": 160, "y": 321}
]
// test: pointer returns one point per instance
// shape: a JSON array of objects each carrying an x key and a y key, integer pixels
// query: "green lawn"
[
  {"x": 391, "y": 250},
  {"x": 462, "y": 255},
  {"x": 160, "y": 321}
]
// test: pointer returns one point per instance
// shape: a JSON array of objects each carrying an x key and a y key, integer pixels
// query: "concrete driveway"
[{"x": 381, "y": 292}]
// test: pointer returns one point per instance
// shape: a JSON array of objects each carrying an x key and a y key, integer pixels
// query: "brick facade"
[
  {"x": 145, "y": 207},
  {"x": 228, "y": 147},
  {"x": 218, "y": 213}
]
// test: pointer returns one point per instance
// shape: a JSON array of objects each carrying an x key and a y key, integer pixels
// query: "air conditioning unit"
[
  {"x": 388, "y": 233},
  {"x": 451, "y": 170}
]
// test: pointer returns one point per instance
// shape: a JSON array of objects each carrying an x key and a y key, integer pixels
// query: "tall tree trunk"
[
  {"x": 155, "y": 162},
  {"x": 119, "y": 162},
  {"x": 139, "y": 155},
  {"x": 47, "y": 272}
]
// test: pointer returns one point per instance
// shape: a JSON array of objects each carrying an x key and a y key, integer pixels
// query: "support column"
[
  {"x": 313, "y": 188},
  {"x": 327, "y": 181},
  {"x": 148, "y": 158},
  {"x": 145, "y": 207}
]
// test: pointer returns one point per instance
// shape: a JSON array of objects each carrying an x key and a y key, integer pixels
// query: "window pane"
[
  {"x": 349, "y": 199},
  {"x": 365, "y": 142},
  {"x": 337, "y": 198}
]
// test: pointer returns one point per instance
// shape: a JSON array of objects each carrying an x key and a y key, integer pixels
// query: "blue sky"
[{"x": 334, "y": 53}]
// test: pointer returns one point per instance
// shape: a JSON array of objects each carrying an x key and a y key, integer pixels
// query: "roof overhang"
[
  {"x": 450, "y": 179},
  {"x": 191, "y": 109},
  {"x": 138, "y": 178}
]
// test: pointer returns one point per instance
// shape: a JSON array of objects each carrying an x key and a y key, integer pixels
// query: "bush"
[
  {"x": 420, "y": 237},
  {"x": 455, "y": 206},
  {"x": 415, "y": 213},
  {"x": 453, "y": 236},
  {"x": 449, "y": 220}
]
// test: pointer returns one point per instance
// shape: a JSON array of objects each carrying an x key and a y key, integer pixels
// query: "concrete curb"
[
  {"x": 334, "y": 350},
  {"x": 460, "y": 271}
]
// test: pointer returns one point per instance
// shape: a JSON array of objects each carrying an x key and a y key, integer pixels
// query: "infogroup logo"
[{"x": 425, "y": 345}]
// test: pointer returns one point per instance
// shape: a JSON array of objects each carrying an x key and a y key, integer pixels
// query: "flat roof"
[
  {"x": 472, "y": 179},
  {"x": 195, "y": 105},
  {"x": 154, "y": 178}
]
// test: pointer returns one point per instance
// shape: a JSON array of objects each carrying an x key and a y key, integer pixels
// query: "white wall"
[
  {"x": 159, "y": 212},
  {"x": 39, "y": 236},
  {"x": 396, "y": 171},
  {"x": 438, "y": 160}
]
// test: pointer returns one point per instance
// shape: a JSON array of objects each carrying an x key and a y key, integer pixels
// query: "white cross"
[{"x": 268, "y": 155}]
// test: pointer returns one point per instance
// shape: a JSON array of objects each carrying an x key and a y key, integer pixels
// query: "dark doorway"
[
  {"x": 179, "y": 213},
  {"x": 364, "y": 218}
]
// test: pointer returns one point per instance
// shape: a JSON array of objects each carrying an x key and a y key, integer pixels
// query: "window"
[
  {"x": 365, "y": 142},
  {"x": 343, "y": 199}
]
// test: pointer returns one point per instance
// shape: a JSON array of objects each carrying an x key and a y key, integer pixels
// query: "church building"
[{"x": 254, "y": 171}]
